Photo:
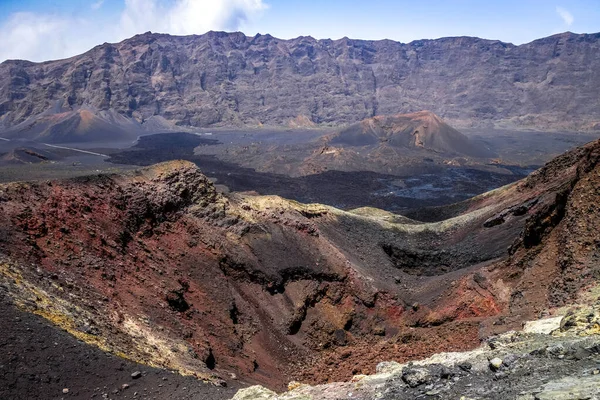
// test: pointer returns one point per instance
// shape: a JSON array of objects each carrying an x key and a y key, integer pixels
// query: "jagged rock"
[
  {"x": 386, "y": 367},
  {"x": 583, "y": 320},
  {"x": 495, "y": 220},
  {"x": 509, "y": 360},
  {"x": 495, "y": 363},
  {"x": 358, "y": 378},
  {"x": 414, "y": 377},
  {"x": 544, "y": 326},
  {"x": 555, "y": 350},
  {"x": 136, "y": 375},
  {"x": 176, "y": 301},
  {"x": 465, "y": 366},
  {"x": 379, "y": 330}
]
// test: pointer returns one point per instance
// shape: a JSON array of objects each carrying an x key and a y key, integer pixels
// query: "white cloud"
[
  {"x": 186, "y": 17},
  {"x": 31, "y": 36},
  {"x": 566, "y": 16},
  {"x": 39, "y": 37},
  {"x": 97, "y": 4}
]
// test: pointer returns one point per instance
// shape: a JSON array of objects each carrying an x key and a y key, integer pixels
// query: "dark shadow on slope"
[{"x": 39, "y": 360}]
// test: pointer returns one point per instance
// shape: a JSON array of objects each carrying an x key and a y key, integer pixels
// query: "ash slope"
[
  {"x": 38, "y": 361},
  {"x": 158, "y": 267},
  {"x": 83, "y": 125},
  {"x": 229, "y": 79},
  {"x": 25, "y": 155}
]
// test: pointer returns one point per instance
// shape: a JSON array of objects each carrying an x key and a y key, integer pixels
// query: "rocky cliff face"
[{"x": 231, "y": 79}]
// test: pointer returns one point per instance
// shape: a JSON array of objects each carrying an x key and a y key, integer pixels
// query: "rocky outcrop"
[{"x": 229, "y": 79}]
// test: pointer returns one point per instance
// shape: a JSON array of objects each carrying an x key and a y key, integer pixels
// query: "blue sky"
[{"x": 49, "y": 29}]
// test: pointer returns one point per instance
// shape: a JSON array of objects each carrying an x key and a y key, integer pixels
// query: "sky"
[{"x": 39, "y": 30}]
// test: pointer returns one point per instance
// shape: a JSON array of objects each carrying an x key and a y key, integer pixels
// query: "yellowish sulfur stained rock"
[{"x": 255, "y": 393}]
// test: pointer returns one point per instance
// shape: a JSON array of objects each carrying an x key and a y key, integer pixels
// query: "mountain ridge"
[
  {"x": 230, "y": 79},
  {"x": 302, "y": 37}
]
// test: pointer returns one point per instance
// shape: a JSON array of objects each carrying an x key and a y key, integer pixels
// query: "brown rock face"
[
  {"x": 229, "y": 79},
  {"x": 159, "y": 267}
]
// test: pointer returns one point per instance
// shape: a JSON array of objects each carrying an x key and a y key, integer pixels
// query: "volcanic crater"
[{"x": 159, "y": 267}]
